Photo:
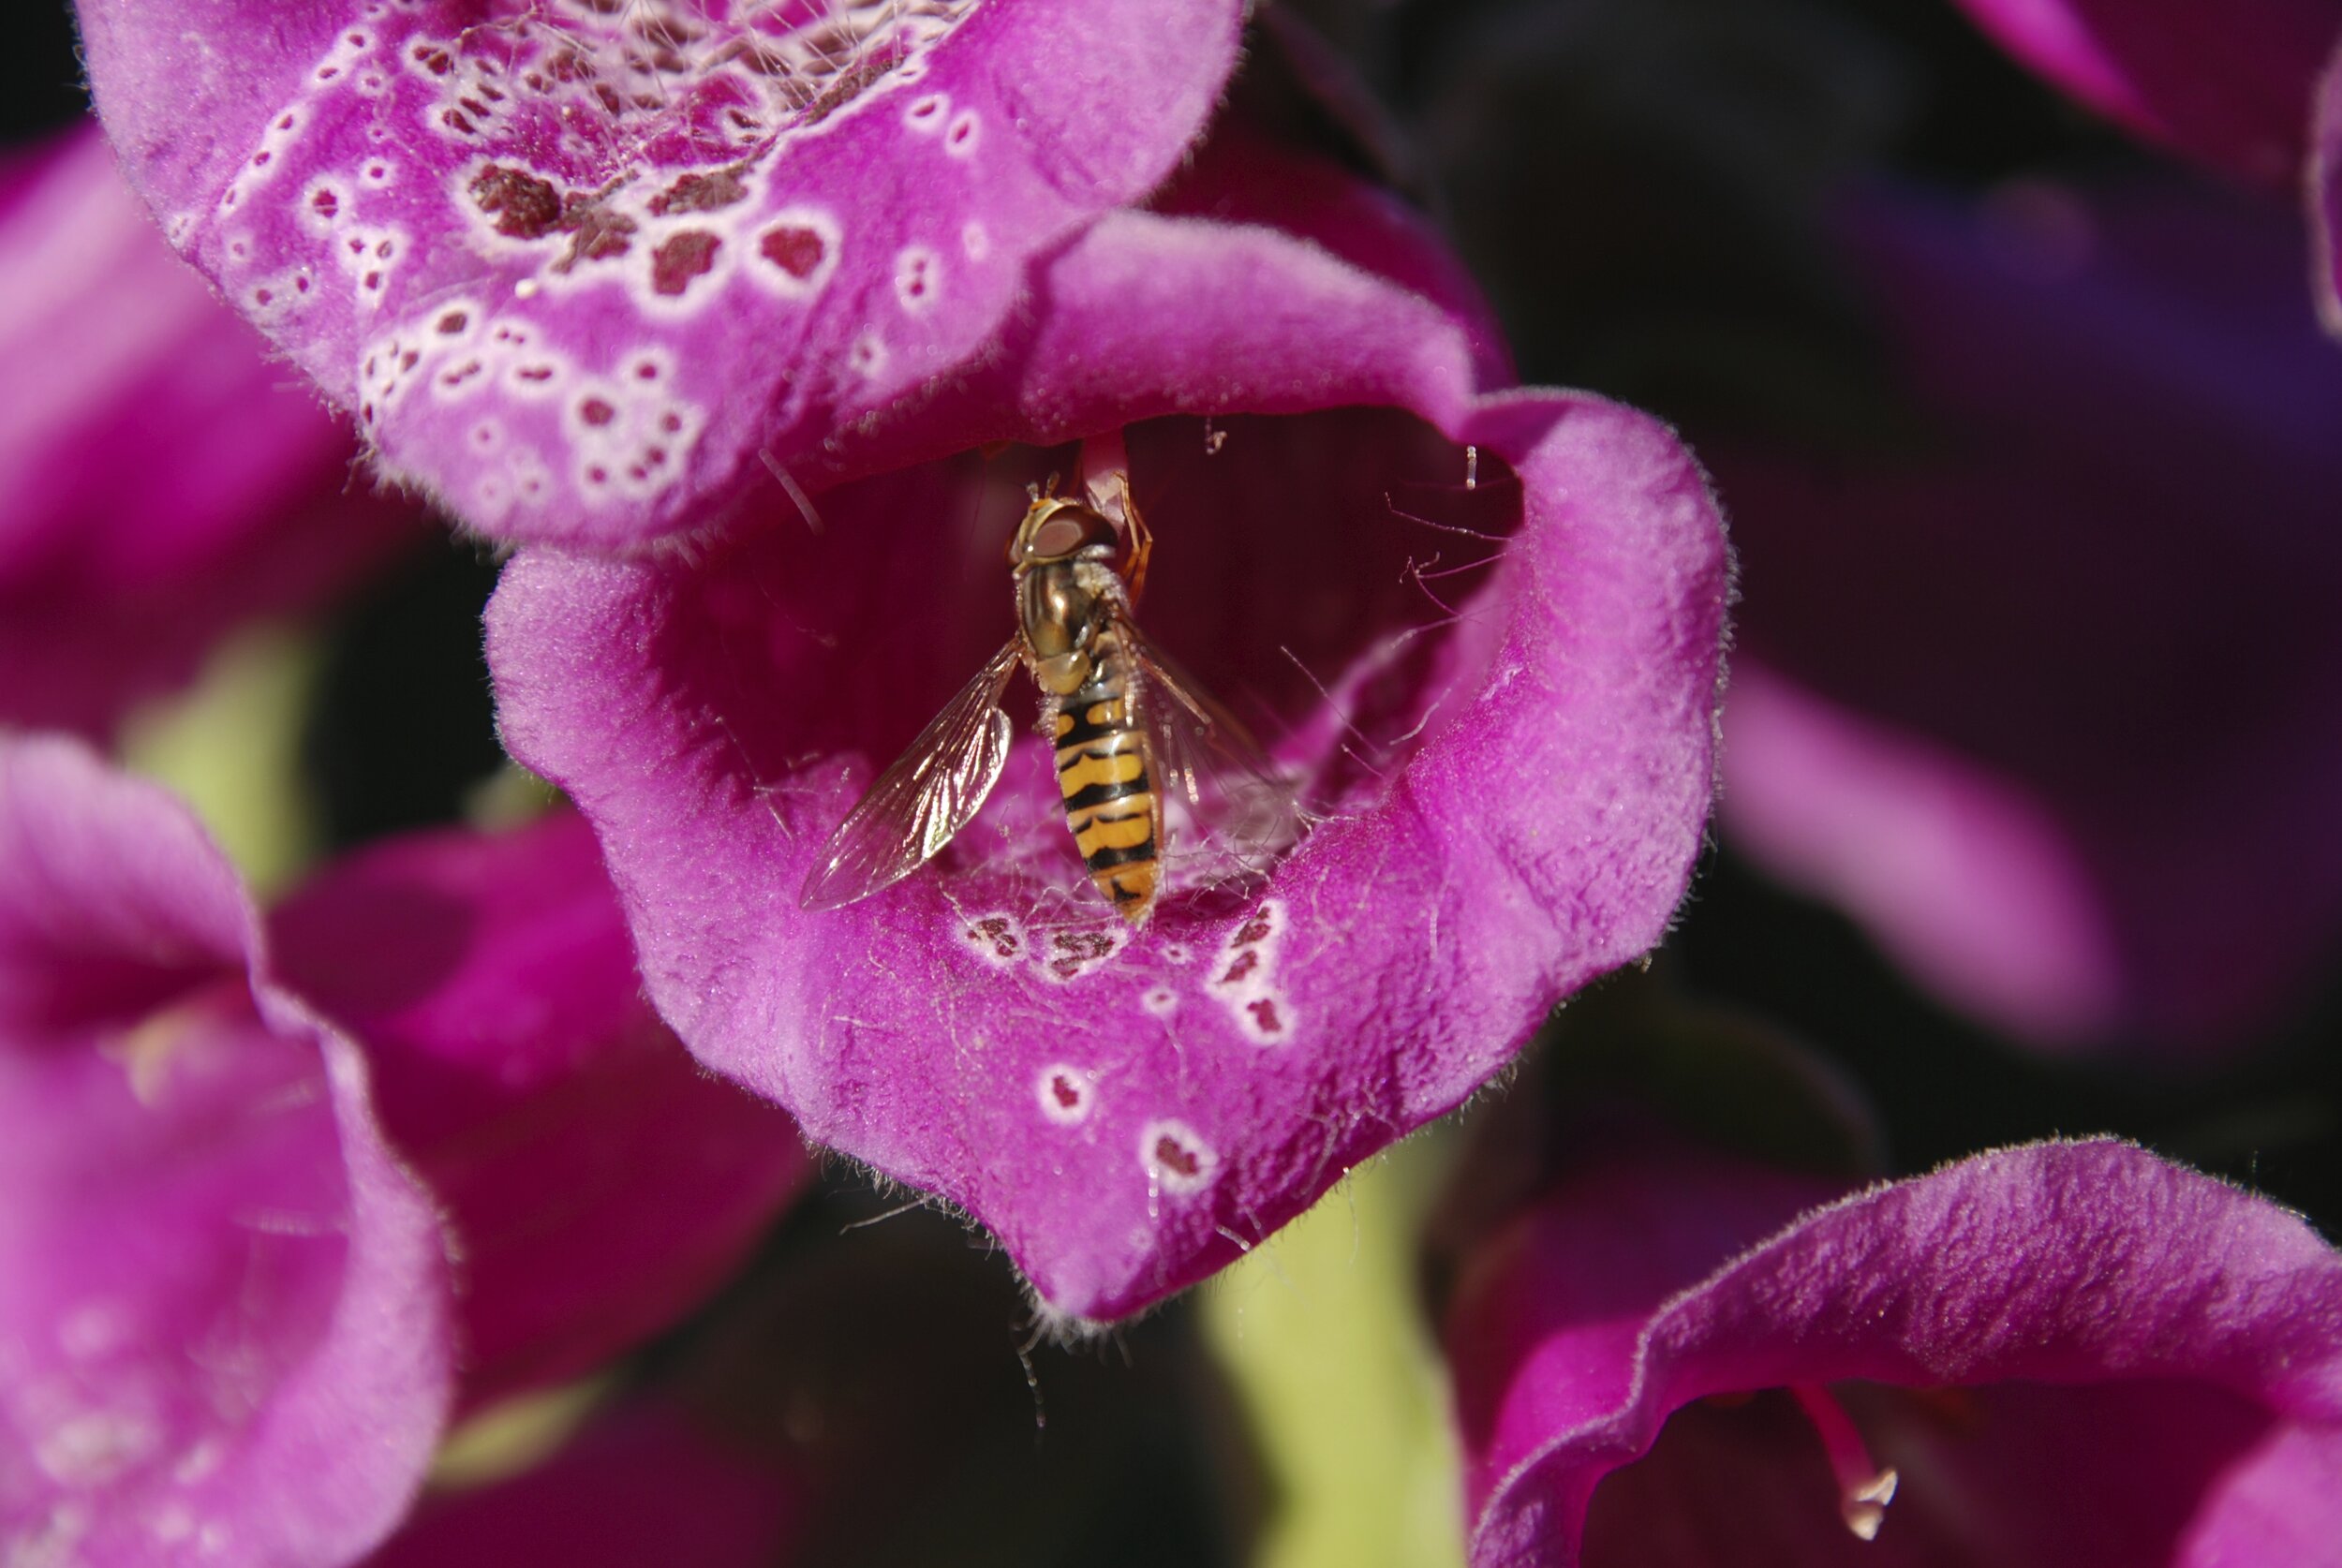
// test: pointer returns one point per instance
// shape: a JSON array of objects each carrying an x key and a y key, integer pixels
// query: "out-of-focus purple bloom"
[
  {"x": 2254, "y": 87},
  {"x": 577, "y": 268},
  {"x": 2229, "y": 84},
  {"x": 229, "y": 1320},
  {"x": 159, "y": 478},
  {"x": 1488, "y": 622},
  {"x": 642, "y": 1483},
  {"x": 596, "y": 1185},
  {"x": 2041, "y": 689},
  {"x": 223, "y": 1306},
  {"x": 2065, "y": 1352}
]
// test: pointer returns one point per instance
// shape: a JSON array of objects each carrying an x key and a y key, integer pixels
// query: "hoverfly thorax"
[{"x": 1066, "y": 588}]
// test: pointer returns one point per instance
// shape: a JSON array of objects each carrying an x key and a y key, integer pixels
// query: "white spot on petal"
[
  {"x": 1068, "y": 1095},
  {"x": 1175, "y": 1159},
  {"x": 925, "y": 113},
  {"x": 918, "y": 278}
]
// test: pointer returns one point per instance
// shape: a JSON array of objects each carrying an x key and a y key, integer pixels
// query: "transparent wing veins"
[
  {"x": 924, "y": 798},
  {"x": 1205, "y": 756}
]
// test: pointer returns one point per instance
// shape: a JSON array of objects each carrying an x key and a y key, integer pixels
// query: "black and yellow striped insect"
[{"x": 1132, "y": 734}]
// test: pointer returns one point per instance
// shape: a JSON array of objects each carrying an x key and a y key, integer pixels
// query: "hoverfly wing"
[
  {"x": 1206, "y": 759},
  {"x": 921, "y": 802}
]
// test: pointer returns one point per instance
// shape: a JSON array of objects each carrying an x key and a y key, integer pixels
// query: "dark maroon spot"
[
  {"x": 433, "y": 58},
  {"x": 525, "y": 207},
  {"x": 407, "y": 360},
  {"x": 961, "y": 132},
  {"x": 366, "y": 412},
  {"x": 609, "y": 97},
  {"x": 491, "y": 93},
  {"x": 373, "y": 281},
  {"x": 1066, "y": 1091},
  {"x": 535, "y": 373},
  {"x": 671, "y": 423},
  {"x": 926, "y": 109},
  {"x": 369, "y": 364},
  {"x": 262, "y": 296},
  {"x": 1246, "y": 962},
  {"x": 595, "y": 411},
  {"x": 598, "y": 233},
  {"x": 681, "y": 258},
  {"x": 1253, "y": 931},
  {"x": 597, "y": 475},
  {"x": 327, "y": 73},
  {"x": 453, "y": 322},
  {"x": 454, "y": 121},
  {"x": 796, "y": 251},
  {"x": 646, "y": 372},
  {"x": 1176, "y": 1157},
  {"x": 325, "y": 203},
  {"x": 656, "y": 456},
  {"x": 1263, "y": 1012},
  {"x": 284, "y": 122},
  {"x": 474, "y": 106},
  {"x": 384, "y": 249},
  {"x": 300, "y": 286},
  {"x": 700, "y": 193},
  {"x": 461, "y": 374},
  {"x": 260, "y": 159}
]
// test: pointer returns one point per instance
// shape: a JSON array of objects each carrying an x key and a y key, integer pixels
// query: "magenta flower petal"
[
  {"x": 163, "y": 478},
  {"x": 577, "y": 270},
  {"x": 597, "y": 1184},
  {"x": 1513, "y": 809},
  {"x": 2043, "y": 694},
  {"x": 644, "y": 1485},
  {"x": 225, "y": 1331},
  {"x": 2064, "y": 1349},
  {"x": 2323, "y": 182},
  {"x": 2229, "y": 84}
]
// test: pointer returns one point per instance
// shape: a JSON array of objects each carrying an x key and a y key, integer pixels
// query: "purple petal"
[
  {"x": 2323, "y": 186},
  {"x": 2229, "y": 84},
  {"x": 641, "y": 1485},
  {"x": 597, "y": 1184},
  {"x": 225, "y": 1333},
  {"x": 2119, "y": 1358},
  {"x": 578, "y": 271},
  {"x": 2064, "y": 741},
  {"x": 1513, "y": 810},
  {"x": 164, "y": 479}
]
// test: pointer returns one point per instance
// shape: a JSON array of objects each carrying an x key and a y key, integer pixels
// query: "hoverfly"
[{"x": 1131, "y": 732}]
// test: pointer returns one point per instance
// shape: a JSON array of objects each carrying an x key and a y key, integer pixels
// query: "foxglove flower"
[
  {"x": 642, "y": 1483},
  {"x": 596, "y": 1185},
  {"x": 234, "y": 1326},
  {"x": 2058, "y": 1352},
  {"x": 2042, "y": 691},
  {"x": 584, "y": 270},
  {"x": 1486, "y": 623},
  {"x": 160, "y": 478},
  {"x": 224, "y": 1332},
  {"x": 2255, "y": 88}
]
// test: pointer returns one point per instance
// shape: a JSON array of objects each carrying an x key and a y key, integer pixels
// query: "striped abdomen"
[{"x": 1102, "y": 771}]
